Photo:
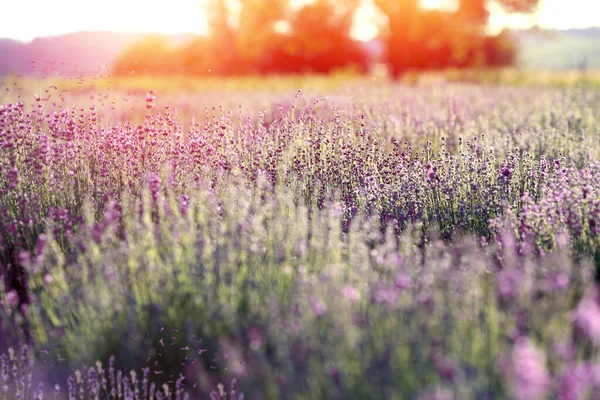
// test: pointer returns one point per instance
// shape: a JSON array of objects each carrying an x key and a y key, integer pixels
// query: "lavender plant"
[
  {"x": 374, "y": 242},
  {"x": 96, "y": 383}
]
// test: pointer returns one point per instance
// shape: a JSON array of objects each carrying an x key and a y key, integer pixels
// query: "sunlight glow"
[
  {"x": 450, "y": 5},
  {"x": 32, "y": 18},
  {"x": 552, "y": 14},
  {"x": 366, "y": 22}
]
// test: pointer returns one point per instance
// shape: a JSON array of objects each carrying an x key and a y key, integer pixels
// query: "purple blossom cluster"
[
  {"x": 96, "y": 383},
  {"x": 428, "y": 242}
]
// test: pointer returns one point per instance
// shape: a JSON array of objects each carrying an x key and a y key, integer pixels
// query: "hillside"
[
  {"x": 559, "y": 50},
  {"x": 92, "y": 53},
  {"x": 87, "y": 53}
]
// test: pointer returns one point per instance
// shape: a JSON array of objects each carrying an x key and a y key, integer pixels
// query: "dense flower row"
[
  {"x": 435, "y": 241},
  {"x": 17, "y": 371}
]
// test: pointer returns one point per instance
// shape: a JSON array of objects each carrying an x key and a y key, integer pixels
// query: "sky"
[
  {"x": 28, "y": 19},
  {"x": 552, "y": 14}
]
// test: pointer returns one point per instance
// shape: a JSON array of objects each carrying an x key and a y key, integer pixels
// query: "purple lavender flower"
[
  {"x": 586, "y": 317},
  {"x": 577, "y": 382},
  {"x": 319, "y": 307},
  {"x": 12, "y": 299},
  {"x": 528, "y": 376},
  {"x": 351, "y": 293},
  {"x": 509, "y": 283}
]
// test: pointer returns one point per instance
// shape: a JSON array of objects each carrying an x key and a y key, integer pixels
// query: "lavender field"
[{"x": 364, "y": 240}]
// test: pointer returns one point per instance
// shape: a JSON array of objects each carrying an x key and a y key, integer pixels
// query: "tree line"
[{"x": 286, "y": 36}]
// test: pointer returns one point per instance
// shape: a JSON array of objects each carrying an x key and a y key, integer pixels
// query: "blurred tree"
[
  {"x": 261, "y": 36},
  {"x": 473, "y": 11},
  {"x": 278, "y": 36},
  {"x": 420, "y": 39},
  {"x": 401, "y": 31},
  {"x": 317, "y": 39},
  {"x": 194, "y": 58},
  {"x": 222, "y": 53},
  {"x": 257, "y": 33},
  {"x": 500, "y": 50},
  {"x": 286, "y": 36},
  {"x": 150, "y": 56}
]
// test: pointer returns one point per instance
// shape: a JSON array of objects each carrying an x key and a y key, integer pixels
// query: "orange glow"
[
  {"x": 33, "y": 18},
  {"x": 238, "y": 37}
]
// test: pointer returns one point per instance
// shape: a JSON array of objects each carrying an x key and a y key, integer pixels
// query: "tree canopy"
[{"x": 284, "y": 36}]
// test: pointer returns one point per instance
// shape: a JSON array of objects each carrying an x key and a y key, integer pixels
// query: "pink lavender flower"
[
  {"x": 48, "y": 279},
  {"x": 12, "y": 299},
  {"x": 150, "y": 100},
  {"x": 528, "y": 376},
  {"x": 509, "y": 283},
  {"x": 319, "y": 307},
  {"x": 402, "y": 281},
  {"x": 351, "y": 293},
  {"x": 385, "y": 294},
  {"x": 577, "y": 382},
  {"x": 586, "y": 317},
  {"x": 256, "y": 338},
  {"x": 561, "y": 281}
]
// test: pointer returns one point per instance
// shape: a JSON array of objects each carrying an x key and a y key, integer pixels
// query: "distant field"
[
  {"x": 561, "y": 52},
  {"x": 139, "y": 84}
]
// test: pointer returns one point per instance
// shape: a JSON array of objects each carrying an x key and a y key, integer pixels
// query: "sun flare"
[
  {"x": 132, "y": 16},
  {"x": 34, "y": 18}
]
